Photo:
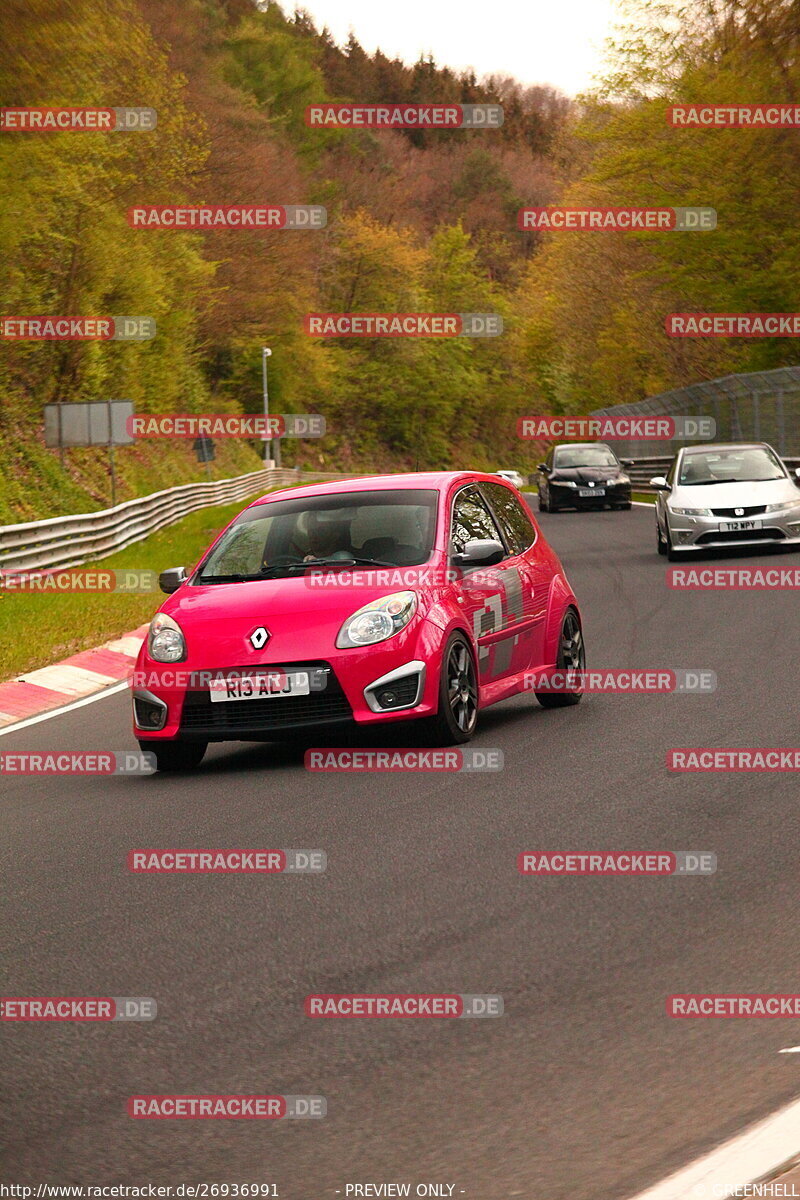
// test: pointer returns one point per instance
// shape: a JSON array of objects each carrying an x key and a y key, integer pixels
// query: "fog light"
[
  {"x": 387, "y": 699},
  {"x": 149, "y": 712}
]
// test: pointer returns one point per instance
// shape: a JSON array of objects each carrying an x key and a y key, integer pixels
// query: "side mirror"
[
  {"x": 169, "y": 581},
  {"x": 543, "y": 467},
  {"x": 481, "y": 552},
  {"x": 660, "y": 484},
  {"x": 628, "y": 462},
  {"x": 797, "y": 472}
]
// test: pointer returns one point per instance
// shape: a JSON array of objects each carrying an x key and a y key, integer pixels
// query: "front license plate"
[
  {"x": 734, "y": 526},
  {"x": 260, "y": 687},
  {"x": 589, "y": 492}
]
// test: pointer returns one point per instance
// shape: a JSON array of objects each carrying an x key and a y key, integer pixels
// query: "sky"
[{"x": 537, "y": 41}]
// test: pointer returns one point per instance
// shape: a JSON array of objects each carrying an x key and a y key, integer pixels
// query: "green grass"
[{"x": 37, "y": 629}]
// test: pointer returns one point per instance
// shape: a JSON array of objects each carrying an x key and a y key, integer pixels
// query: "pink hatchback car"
[{"x": 393, "y": 598}]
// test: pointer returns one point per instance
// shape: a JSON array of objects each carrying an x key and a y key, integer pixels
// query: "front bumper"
[
  {"x": 619, "y": 493},
  {"x": 385, "y": 682},
  {"x": 704, "y": 533}
]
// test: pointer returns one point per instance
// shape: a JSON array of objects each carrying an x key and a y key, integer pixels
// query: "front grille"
[
  {"x": 265, "y": 716},
  {"x": 403, "y": 692},
  {"x": 754, "y": 510},
  {"x": 405, "y": 689},
  {"x": 742, "y": 535}
]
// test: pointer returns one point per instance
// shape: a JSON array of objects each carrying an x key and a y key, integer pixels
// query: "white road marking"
[
  {"x": 57, "y": 712},
  {"x": 745, "y": 1159},
  {"x": 128, "y": 646},
  {"x": 790, "y": 1050},
  {"x": 66, "y": 679}
]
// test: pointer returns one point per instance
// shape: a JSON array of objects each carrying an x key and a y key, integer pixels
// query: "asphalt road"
[{"x": 584, "y": 1089}]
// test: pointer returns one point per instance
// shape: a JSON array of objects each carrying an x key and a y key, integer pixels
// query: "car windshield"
[
  {"x": 584, "y": 456},
  {"x": 287, "y": 537},
  {"x": 741, "y": 464}
]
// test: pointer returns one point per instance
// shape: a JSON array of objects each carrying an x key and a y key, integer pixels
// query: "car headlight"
[
  {"x": 166, "y": 642},
  {"x": 691, "y": 512},
  {"x": 783, "y": 504},
  {"x": 378, "y": 620},
  {"x": 564, "y": 482},
  {"x": 619, "y": 479}
]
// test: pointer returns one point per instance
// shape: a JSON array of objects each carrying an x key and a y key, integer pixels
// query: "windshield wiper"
[
  {"x": 352, "y": 561},
  {"x": 228, "y": 578},
  {"x": 707, "y": 482}
]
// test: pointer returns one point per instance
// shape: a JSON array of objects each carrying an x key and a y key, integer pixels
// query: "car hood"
[
  {"x": 734, "y": 495},
  {"x": 302, "y": 618},
  {"x": 585, "y": 474}
]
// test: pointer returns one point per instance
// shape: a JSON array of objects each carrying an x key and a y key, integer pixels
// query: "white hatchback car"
[
  {"x": 512, "y": 477},
  {"x": 725, "y": 495}
]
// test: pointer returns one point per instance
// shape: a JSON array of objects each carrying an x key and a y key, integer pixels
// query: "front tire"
[
  {"x": 457, "y": 718},
  {"x": 660, "y": 543},
  {"x": 175, "y": 756},
  {"x": 672, "y": 554},
  {"x": 571, "y": 657}
]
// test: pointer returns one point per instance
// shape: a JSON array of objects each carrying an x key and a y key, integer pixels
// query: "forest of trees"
[{"x": 416, "y": 222}]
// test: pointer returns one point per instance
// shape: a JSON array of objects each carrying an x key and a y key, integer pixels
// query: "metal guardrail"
[
  {"x": 759, "y": 406},
  {"x": 60, "y": 542}
]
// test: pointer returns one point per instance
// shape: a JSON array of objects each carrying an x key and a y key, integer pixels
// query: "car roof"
[
  {"x": 580, "y": 445},
  {"x": 726, "y": 446},
  {"x": 412, "y": 481}
]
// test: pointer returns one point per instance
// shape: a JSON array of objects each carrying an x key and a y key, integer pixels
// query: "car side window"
[
  {"x": 471, "y": 521},
  {"x": 511, "y": 515},
  {"x": 550, "y": 455},
  {"x": 673, "y": 468}
]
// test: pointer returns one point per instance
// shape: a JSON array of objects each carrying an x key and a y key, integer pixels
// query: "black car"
[{"x": 582, "y": 475}]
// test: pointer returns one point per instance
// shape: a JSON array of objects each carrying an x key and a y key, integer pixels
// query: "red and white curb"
[{"x": 75, "y": 678}]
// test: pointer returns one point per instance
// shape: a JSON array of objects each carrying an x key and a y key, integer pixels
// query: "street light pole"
[{"x": 265, "y": 354}]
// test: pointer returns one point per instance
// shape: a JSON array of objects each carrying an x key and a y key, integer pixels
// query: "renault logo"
[
  {"x": 739, "y": 512},
  {"x": 259, "y": 637}
]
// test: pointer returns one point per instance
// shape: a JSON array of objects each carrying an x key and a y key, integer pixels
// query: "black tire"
[
  {"x": 175, "y": 756},
  {"x": 661, "y": 545},
  {"x": 571, "y": 656},
  {"x": 457, "y": 718},
  {"x": 622, "y": 507},
  {"x": 672, "y": 555}
]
